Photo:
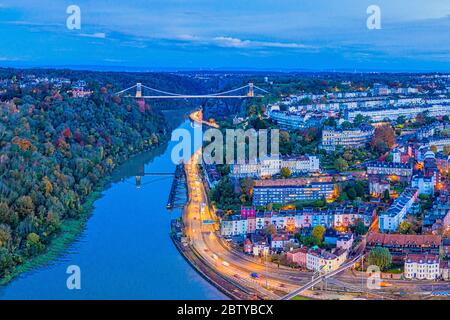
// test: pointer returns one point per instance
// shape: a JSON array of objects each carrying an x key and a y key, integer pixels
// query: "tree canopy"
[{"x": 56, "y": 150}]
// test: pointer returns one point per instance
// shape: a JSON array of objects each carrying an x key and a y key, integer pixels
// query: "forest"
[{"x": 56, "y": 149}]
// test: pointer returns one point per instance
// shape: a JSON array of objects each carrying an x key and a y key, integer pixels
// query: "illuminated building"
[
  {"x": 289, "y": 190},
  {"x": 418, "y": 266},
  {"x": 355, "y": 138},
  {"x": 390, "y": 220}
]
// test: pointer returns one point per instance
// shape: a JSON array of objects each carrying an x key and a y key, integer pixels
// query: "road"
[
  {"x": 197, "y": 116},
  {"x": 204, "y": 240},
  {"x": 277, "y": 282},
  {"x": 321, "y": 278}
]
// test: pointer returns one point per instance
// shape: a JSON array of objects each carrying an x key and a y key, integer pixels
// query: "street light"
[{"x": 266, "y": 253}]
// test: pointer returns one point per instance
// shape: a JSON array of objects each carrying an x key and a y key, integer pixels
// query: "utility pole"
[
  {"x": 267, "y": 274},
  {"x": 267, "y": 270},
  {"x": 266, "y": 253},
  {"x": 362, "y": 274}
]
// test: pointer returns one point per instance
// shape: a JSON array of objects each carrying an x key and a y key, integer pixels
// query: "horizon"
[
  {"x": 312, "y": 36},
  {"x": 127, "y": 69}
]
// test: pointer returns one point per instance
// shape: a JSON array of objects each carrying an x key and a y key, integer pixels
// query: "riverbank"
[
  {"x": 71, "y": 228},
  {"x": 124, "y": 250},
  {"x": 231, "y": 290}
]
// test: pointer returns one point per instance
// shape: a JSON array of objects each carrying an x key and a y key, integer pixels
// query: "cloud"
[
  {"x": 187, "y": 37},
  {"x": 230, "y": 42},
  {"x": 238, "y": 43},
  {"x": 6, "y": 59},
  {"x": 97, "y": 35}
]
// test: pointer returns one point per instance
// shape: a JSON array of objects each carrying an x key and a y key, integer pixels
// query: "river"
[{"x": 125, "y": 251}]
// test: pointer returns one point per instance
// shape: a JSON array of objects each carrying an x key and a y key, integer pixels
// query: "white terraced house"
[
  {"x": 422, "y": 267},
  {"x": 270, "y": 167},
  {"x": 392, "y": 113},
  {"x": 355, "y": 138}
]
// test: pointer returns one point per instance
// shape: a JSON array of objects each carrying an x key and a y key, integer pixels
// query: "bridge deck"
[{"x": 192, "y": 97}]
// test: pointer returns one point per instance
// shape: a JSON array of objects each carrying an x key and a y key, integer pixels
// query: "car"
[{"x": 254, "y": 275}]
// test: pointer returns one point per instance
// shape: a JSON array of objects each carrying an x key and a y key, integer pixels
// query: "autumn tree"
[
  {"x": 446, "y": 150},
  {"x": 24, "y": 206},
  {"x": 383, "y": 139},
  {"x": 5, "y": 234},
  {"x": 270, "y": 230},
  {"x": 318, "y": 233},
  {"x": 34, "y": 244},
  {"x": 340, "y": 164},
  {"x": 47, "y": 185},
  {"x": 5, "y": 212},
  {"x": 285, "y": 172},
  {"x": 247, "y": 185}
]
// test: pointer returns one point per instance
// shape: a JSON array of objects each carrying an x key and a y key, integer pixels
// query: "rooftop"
[
  {"x": 384, "y": 164},
  {"x": 422, "y": 258},
  {"x": 401, "y": 202},
  {"x": 403, "y": 239},
  {"x": 298, "y": 182}
]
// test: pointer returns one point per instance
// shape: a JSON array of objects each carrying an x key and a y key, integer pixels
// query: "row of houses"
[
  {"x": 295, "y": 121},
  {"x": 391, "y": 219},
  {"x": 438, "y": 142},
  {"x": 269, "y": 167},
  {"x": 392, "y": 114},
  {"x": 316, "y": 259},
  {"x": 339, "y": 217},
  {"x": 422, "y": 267},
  {"x": 389, "y": 169},
  {"x": 352, "y": 137},
  {"x": 284, "y": 191},
  {"x": 420, "y": 253},
  {"x": 401, "y": 245},
  {"x": 431, "y": 130}
]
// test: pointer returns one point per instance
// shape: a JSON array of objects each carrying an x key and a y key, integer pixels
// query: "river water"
[{"x": 125, "y": 251}]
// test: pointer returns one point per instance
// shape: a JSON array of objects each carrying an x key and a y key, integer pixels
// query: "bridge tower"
[
  {"x": 250, "y": 93},
  {"x": 138, "y": 90}
]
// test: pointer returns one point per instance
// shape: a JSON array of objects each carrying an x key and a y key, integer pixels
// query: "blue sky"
[{"x": 232, "y": 34}]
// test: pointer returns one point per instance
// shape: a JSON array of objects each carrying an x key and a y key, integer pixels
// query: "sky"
[{"x": 309, "y": 35}]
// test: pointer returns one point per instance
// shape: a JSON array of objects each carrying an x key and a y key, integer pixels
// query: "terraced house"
[
  {"x": 390, "y": 220},
  {"x": 400, "y": 245},
  {"x": 422, "y": 267},
  {"x": 354, "y": 137},
  {"x": 338, "y": 218},
  {"x": 382, "y": 168},
  {"x": 270, "y": 167}
]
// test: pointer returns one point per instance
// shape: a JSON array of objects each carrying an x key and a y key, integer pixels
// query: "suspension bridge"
[{"x": 244, "y": 92}]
